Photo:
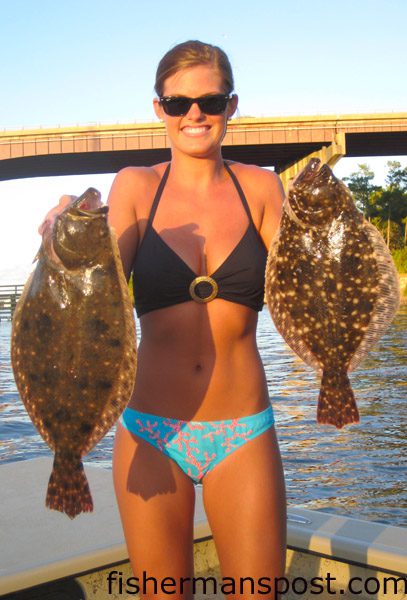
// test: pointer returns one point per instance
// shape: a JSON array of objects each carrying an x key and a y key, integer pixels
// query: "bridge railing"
[{"x": 9, "y": 294}]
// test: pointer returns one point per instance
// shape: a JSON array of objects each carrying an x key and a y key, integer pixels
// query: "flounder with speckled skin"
[
  {"x": 331, "y": 285},
  {"x": 73, "y": 344}
]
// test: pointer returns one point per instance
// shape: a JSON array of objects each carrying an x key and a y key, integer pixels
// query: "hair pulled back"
[{"x": 191, "y": 54}]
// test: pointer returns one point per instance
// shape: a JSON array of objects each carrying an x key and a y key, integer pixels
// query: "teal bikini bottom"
[{"x": 196, "y": 446}]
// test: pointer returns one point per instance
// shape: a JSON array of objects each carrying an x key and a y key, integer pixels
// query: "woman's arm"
[
  {"x": 273, "y": 194},
  {"x": 265, "y": 191},
  {"x": 129, "y": 185}
]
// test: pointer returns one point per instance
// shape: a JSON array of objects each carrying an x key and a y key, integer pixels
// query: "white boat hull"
[{"x": 43, "y": 553}]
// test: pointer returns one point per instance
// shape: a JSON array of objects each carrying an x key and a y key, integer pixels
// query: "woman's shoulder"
[
  {"x": 136, "y": 186},
  {"x": 130, "y": 201},
  {"x": 253, "y": 172},
  {"x": 257, "y": 182},
  {"x": 140, "y": 176},
  {"x": 264, "y": 192}
]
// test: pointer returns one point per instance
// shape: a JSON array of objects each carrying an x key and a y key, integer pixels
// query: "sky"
[{"x": 94, "y": 61}]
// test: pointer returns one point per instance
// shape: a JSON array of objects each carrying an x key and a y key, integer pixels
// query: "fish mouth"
[
  {"x": 310, "y": 194},
  {"x": 72, "y": 224},
  {"x": 314, "y": 173},
  {"x": 309, "y": 172},
  {"x": 89, "y": 203}
]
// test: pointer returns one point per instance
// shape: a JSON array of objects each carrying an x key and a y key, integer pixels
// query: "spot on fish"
[
  {"x": 97, "y": 326},
  {"x": 103, "y": 384},
  {"x": 83, "y": 383},
  {"x": 43, "y": 324},
  {"x": 62, "y": 415},
  {"x": 86, "y": 428}
]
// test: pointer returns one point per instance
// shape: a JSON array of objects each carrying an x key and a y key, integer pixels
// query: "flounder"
[
  {"x": 331, "y": 285},
  {"x": 73, "y": 344}
]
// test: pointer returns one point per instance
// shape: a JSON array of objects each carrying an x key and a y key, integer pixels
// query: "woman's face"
[{"x": 195, "y": 133}]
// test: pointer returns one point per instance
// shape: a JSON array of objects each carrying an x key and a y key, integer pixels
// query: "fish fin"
[
  {"x": 68, "y": 489},
  {"x": 38, "y": 255},
  {"x": 388, "y": 295},
  {"x": 336, "y": 402}
]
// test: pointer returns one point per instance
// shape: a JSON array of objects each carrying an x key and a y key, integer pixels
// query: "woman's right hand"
[{"x": 51, "y": 215}]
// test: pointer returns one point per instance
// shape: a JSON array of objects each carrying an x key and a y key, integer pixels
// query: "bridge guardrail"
[{"x": 9, "y": 295}]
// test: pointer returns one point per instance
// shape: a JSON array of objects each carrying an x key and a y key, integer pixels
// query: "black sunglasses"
[{"x": 177, "y": 106}]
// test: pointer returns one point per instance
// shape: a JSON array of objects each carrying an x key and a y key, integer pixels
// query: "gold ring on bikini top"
[{"x": 198, "y": 293}]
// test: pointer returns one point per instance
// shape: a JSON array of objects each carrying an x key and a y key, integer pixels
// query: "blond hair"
[{"x": 190, "y": 54}]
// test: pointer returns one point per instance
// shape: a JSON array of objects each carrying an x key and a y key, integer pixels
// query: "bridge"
[
  {"x": 284, "y": 143},
  {"x": 9, "y": 295}
]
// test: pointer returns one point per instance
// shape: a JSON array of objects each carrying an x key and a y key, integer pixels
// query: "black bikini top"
[{"x": 161, "y": 278}]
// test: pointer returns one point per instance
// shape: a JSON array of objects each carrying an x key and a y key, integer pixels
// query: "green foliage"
[
  {"x": 391, "y": 202},
  {"x": 361, "y": 187},
  {"x": 396, "y": 177},
  {"x": 385, "y": 207},
  {"x": 391, "y": 230},
  {"x": 400, "y": 259}
]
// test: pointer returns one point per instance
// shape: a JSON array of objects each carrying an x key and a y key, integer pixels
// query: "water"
[{"x": 359, "y": 471}]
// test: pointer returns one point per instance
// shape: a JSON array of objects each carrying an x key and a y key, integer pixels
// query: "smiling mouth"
[{"x": 195, "y": 131}]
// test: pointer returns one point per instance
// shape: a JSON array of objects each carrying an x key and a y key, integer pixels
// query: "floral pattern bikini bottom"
[{"x": 196, "y": 446}]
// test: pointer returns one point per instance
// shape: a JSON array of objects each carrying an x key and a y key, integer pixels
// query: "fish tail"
[
  {"x": 336, "y": 402},
  {"x": 68, "y": 489}
]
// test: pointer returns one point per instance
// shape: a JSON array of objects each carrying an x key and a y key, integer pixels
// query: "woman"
[{"x": 195, "y": 234}]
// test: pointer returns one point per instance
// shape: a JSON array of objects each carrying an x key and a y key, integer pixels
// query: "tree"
[
  {"x": 385, "y": 207},
  {"x": 390, "y": 204},
  {"x": 396, "y": 176},
  {"x": 391, "y": 232},
  {"x": 404, "y": 221},
  {"x": 360, "y": 184}
]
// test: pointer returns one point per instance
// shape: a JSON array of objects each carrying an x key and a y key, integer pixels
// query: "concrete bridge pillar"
[{"x": 330, "y": 155}]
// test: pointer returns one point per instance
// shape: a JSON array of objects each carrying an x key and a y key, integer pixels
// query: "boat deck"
[{"x": 39, "y": 546}]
